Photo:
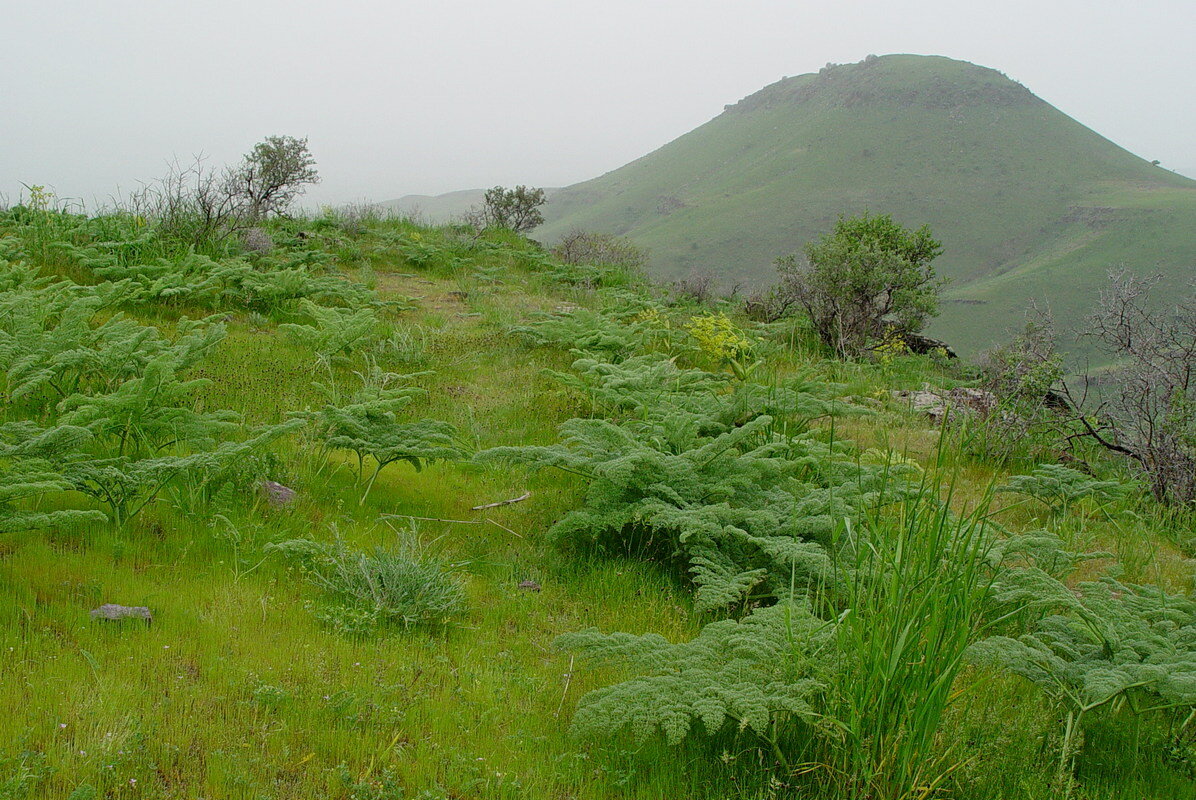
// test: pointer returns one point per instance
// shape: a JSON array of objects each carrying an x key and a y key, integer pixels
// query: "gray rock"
[
  {"x": 114, "y": 613},
  {"x": 939, "y": 404},
  {"x": 276, "y": 494}
]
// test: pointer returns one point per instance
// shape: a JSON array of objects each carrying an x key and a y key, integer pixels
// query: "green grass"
[{"x": 237, "y": 690}]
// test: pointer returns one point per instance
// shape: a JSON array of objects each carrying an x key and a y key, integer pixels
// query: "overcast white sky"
[{"x": 405, "y": 97}]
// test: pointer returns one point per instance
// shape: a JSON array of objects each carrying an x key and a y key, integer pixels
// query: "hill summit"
[{"x": 1030, "y": 204}]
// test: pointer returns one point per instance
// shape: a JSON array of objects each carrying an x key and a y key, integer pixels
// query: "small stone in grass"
[
  {"x": 277, "y": 494},
  {"x": 114, "y": 613}
]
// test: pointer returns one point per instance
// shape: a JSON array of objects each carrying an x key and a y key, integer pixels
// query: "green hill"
[{"x": 1030, "y": 204}]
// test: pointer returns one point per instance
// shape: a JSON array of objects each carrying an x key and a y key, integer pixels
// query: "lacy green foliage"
[
  {"x": 51, "y": 339},
  {"x": 738, "y": 509},
  {"x": 334, "y": 332},
  {"x": 1059, "y": 487},
  {"x": 406, "y": 587},
  {"x": 119, "y": 383},
  {"x": 725, "y": 481},
  {"x": 151, "y": 411},
  {"x": 368, "y": 425},
  {"x": 28, "y": 468},
  {"x": 1112, "y": 639},
  {"x": 125, "y": 485},
  {"x": 752, "y": 674},
  {"x": 589, "y": 332},
  {"x": 268, "y": 282},
  {"x": 653, "y": 387},
  {"x": 232, "y": 466},
  {"x": 57, "y": 340},
  {"x": 1111, "y": 645},
  {"x": 643, "y": 385}
]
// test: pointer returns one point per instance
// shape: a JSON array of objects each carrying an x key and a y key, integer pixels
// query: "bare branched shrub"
[
  {"x": 1150, "y": 401},
  {"x": 1023, "y": 375},
  {"x": 256, "y": 240},
  {"x": 1144, "y": 408},
  {"x": 578, "y": 247},
  {"x": 193, "y": 203},
  {"x": 202, "y": 206},
  {"x": 698, "y": 288},
  {"x": 770, "y": 305}
]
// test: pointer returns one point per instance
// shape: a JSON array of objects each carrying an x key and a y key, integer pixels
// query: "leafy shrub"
[
  {"x": 867, "y": 275},
  {"x": 517, "y": 209}
]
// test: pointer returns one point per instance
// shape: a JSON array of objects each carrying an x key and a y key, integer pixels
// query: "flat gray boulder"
[
  {"x": 276, "y": 494},
  {"x": 115, "y": 613}
]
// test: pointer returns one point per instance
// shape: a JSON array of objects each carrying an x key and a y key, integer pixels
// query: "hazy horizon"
[{"x": 404, "y": 98}]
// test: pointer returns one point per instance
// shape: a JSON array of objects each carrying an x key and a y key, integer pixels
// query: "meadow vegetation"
[{"x": 733, "y": 564}]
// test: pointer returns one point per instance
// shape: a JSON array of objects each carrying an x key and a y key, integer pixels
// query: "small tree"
[
  {"x": 868, "y": 278},
  {"x": 273, "y": 174},
  {"x": 517, "y": 209}
]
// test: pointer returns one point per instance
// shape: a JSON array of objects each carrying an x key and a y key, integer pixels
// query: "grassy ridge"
[{"x": 238, "y": 691}]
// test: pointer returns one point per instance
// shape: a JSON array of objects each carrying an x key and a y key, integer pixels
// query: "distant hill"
[
  {"x": 1030, "y": 204},
  {"x": 440, "y": 208}
]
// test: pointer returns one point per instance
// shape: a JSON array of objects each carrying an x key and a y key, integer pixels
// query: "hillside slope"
[{"x": 1029, "y": 203}]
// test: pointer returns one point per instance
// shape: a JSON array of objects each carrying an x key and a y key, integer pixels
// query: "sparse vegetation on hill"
[
  {"x": 433, "y": 512},
  {"x": 1028, "y": 203}
]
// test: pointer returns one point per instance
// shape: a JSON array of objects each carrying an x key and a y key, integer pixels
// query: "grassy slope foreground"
[
  {"x": 244, "y": 687},
  {"x": 1030, "y": 204}
]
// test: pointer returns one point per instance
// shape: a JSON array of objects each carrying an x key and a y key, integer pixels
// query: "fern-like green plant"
[
  {"x": 756, "y": 675},
  {"x": 1059, "y": 487},
  {"x": 124, "y": 485},
  {"x": 368, "y": 426},
  {"x": 739, "y": 510},
  {"x": 334, "y": 332},
  {"x": 152, "y": 411},
  {"x": 28, "y": 469},
  {"x": 1110, "y": 645},
  {"x": 588, "y": 332}
]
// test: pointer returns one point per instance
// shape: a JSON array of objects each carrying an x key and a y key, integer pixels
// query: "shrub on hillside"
[
  {"x": 517, "y": 209},
  {"x": 578, "y": 247},
  {"x": 868, "y": 277}
]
